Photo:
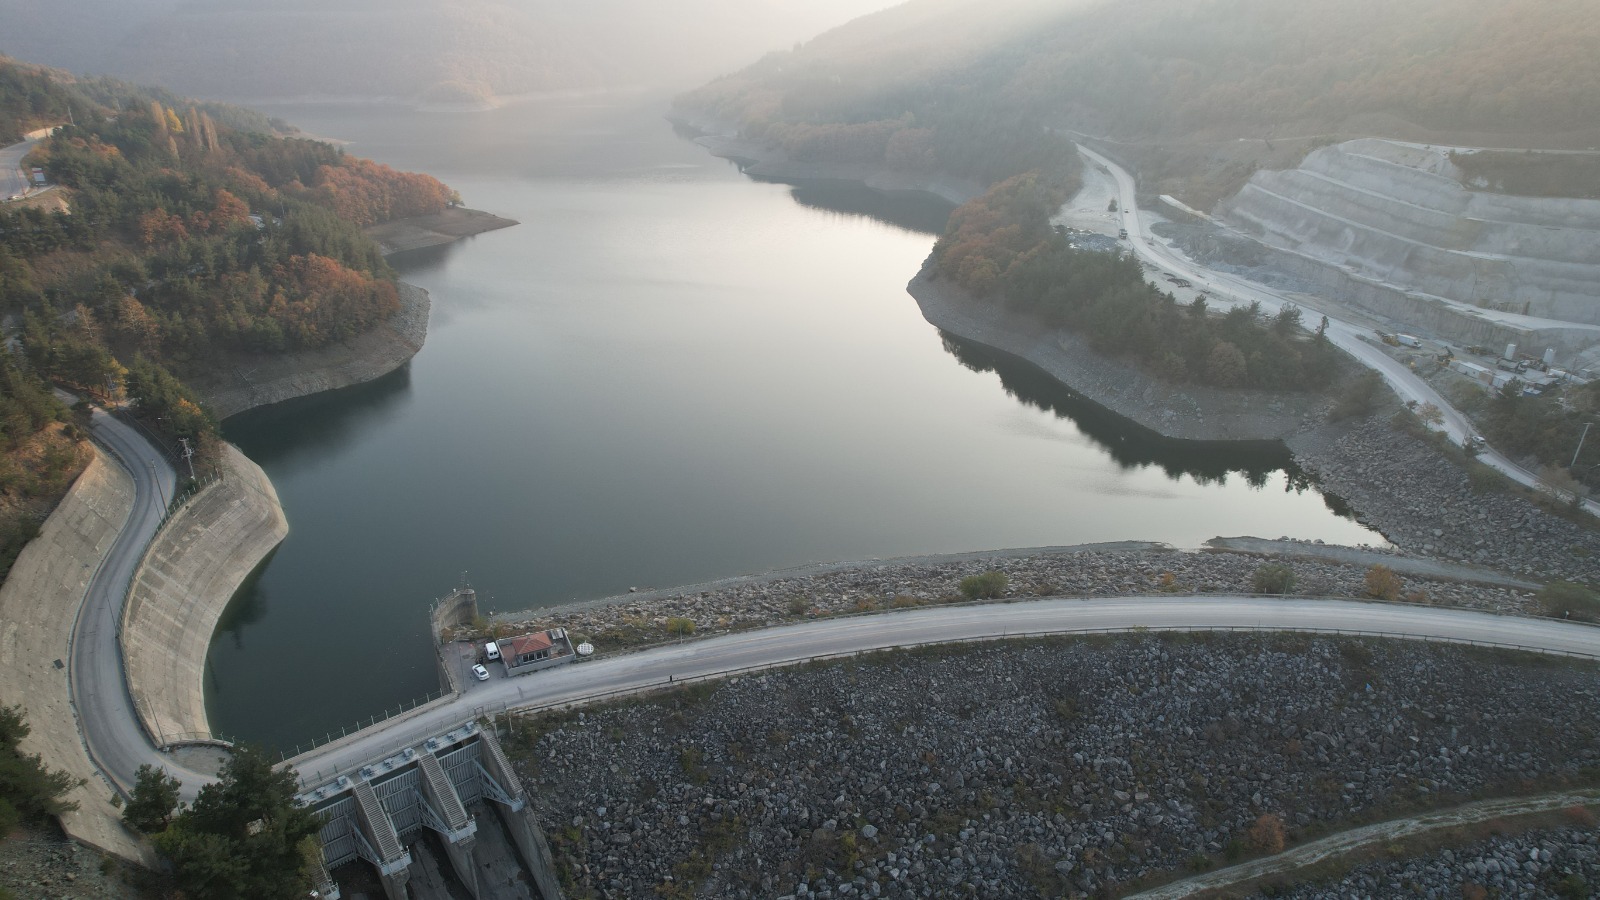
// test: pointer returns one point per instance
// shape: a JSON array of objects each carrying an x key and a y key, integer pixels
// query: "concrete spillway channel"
[{"x": 456, "y": 791}]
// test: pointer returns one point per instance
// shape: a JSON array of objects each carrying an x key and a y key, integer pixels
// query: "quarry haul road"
[
  {"x": 788, "y": 644},
  {"x": 1407, "y": 385}
]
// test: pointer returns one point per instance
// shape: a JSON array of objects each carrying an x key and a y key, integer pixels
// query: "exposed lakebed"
[{"x": 667, "y": 373}]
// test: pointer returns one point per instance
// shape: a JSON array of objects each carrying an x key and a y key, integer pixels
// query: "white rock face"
[{"x": 1398, "y": 213}]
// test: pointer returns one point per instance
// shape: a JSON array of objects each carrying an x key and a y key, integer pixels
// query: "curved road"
[
  {"x": 106, "y": 719},
  {"x": 1350, "y": 338},
  {"x": 794, "y": 643},
  {"x": 14, "y": 182}
]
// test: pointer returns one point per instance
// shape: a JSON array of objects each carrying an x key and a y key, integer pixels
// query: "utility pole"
[
  {"x": 1580, "y": 445},
  {"x": 188, "y": 456}
]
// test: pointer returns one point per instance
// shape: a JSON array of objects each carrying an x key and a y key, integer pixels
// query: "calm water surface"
[{"x": 666, "y": 373}]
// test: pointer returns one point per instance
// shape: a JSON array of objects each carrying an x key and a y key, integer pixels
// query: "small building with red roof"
[{"x": 537, "y": 650}]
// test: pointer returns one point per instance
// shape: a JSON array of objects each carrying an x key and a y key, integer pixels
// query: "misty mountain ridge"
[{"x": 441, "y": 51}]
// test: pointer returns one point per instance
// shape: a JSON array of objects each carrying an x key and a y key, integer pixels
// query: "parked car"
[{"x": 481, "y": 673}]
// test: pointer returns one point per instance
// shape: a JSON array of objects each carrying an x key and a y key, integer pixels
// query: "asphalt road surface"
[
  {"x": 1405, "y": 383},
  {"x": 13, "y": 180},
  {"x": 111, "y": 730},
  {"x": 792, "y": 643}
]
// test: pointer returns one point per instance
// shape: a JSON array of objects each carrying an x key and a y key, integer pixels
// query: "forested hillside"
[
  {"x": 974, "y": 74},
  {"x": 1001, "y": 249},
  {"x": 178, "y": 240}
]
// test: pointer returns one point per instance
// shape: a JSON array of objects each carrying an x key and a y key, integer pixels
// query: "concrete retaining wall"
[
  {"x": 38, "y": 608},
  {"x": 189, "y": 575}
]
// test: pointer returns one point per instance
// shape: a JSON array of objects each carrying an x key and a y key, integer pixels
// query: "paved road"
[
  {"x": 13, "y": 181},
  {"x": 116, "y": 742},
  {"x": 1350, "y": 338},
  {"x": 939, "y": 624}
]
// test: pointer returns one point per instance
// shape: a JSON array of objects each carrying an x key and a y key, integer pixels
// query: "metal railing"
[{"x": 402, "y": 710}]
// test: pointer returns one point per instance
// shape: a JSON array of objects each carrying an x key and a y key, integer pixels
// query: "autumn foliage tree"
[
  {"x": 1000, "y": 246},
  {"x": 366, "y": 193}
]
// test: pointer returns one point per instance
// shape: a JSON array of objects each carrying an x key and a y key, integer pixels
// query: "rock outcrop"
[{"x": 1398, "y": 215}]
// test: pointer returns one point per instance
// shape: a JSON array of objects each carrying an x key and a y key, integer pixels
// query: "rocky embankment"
[
  {"x": 1547, "y": 864},
  {"x": 1428, "y": 505},
  {"x": 1062, "y": 767},
  {"x": 37, "y": 863},
  {"x": 1090, "y": 572},
  {"x": 1188, "y": 412},
  {"x": 262, "y": 380}
]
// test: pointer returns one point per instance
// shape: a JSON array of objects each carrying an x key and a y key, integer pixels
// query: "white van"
[{"x": 491, "y": 651}]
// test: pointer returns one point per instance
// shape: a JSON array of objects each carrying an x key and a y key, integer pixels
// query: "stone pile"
[
  {"x": 1054, "y": 767},
  {"x": 1426, "y": 505},
  {"x": 37, "y": 863}
]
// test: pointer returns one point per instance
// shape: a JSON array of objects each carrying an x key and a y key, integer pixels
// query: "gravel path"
[
  {"x": 1547, "y": 864},
  {"x": 1358, "y": 838}
]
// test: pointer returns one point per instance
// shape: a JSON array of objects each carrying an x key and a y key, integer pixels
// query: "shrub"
[
  {"x": 1382, "y": 583},
  {"x": 680, "y": 626},
  {"x": 987, "y": 586},
  {"x": 1267, "y": 834},
  {"x": 1564, "y": 599},
  {"x": 1573, "y": 886},
  {"x": 1359, "y": 399},
  {"x": 1274, "y": 578}
]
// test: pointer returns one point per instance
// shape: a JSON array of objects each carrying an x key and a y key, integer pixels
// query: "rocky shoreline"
[
  {"x": 261, "y": 380},
  {"x": 441, "y": 228},
  {"x": 1093, "y": 571},
  {"x": 249, "y": 381},
  {"x": 1068, "y": 767},
  {"x": 1185, "y": 412}
]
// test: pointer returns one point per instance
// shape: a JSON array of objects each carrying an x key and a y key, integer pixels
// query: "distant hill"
[
  {"x": 415, "y": 50},
  {"x": 1190, "y": 73}
]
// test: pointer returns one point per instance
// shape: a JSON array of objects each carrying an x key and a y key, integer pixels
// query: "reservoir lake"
[{"x": 668, "y": 373}]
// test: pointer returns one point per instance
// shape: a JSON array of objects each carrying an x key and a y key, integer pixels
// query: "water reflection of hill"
[
  {"x": 910, "y": 212},
  {"x": 1132, "y": 445},
  {"x": 320, "y": 425}
]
